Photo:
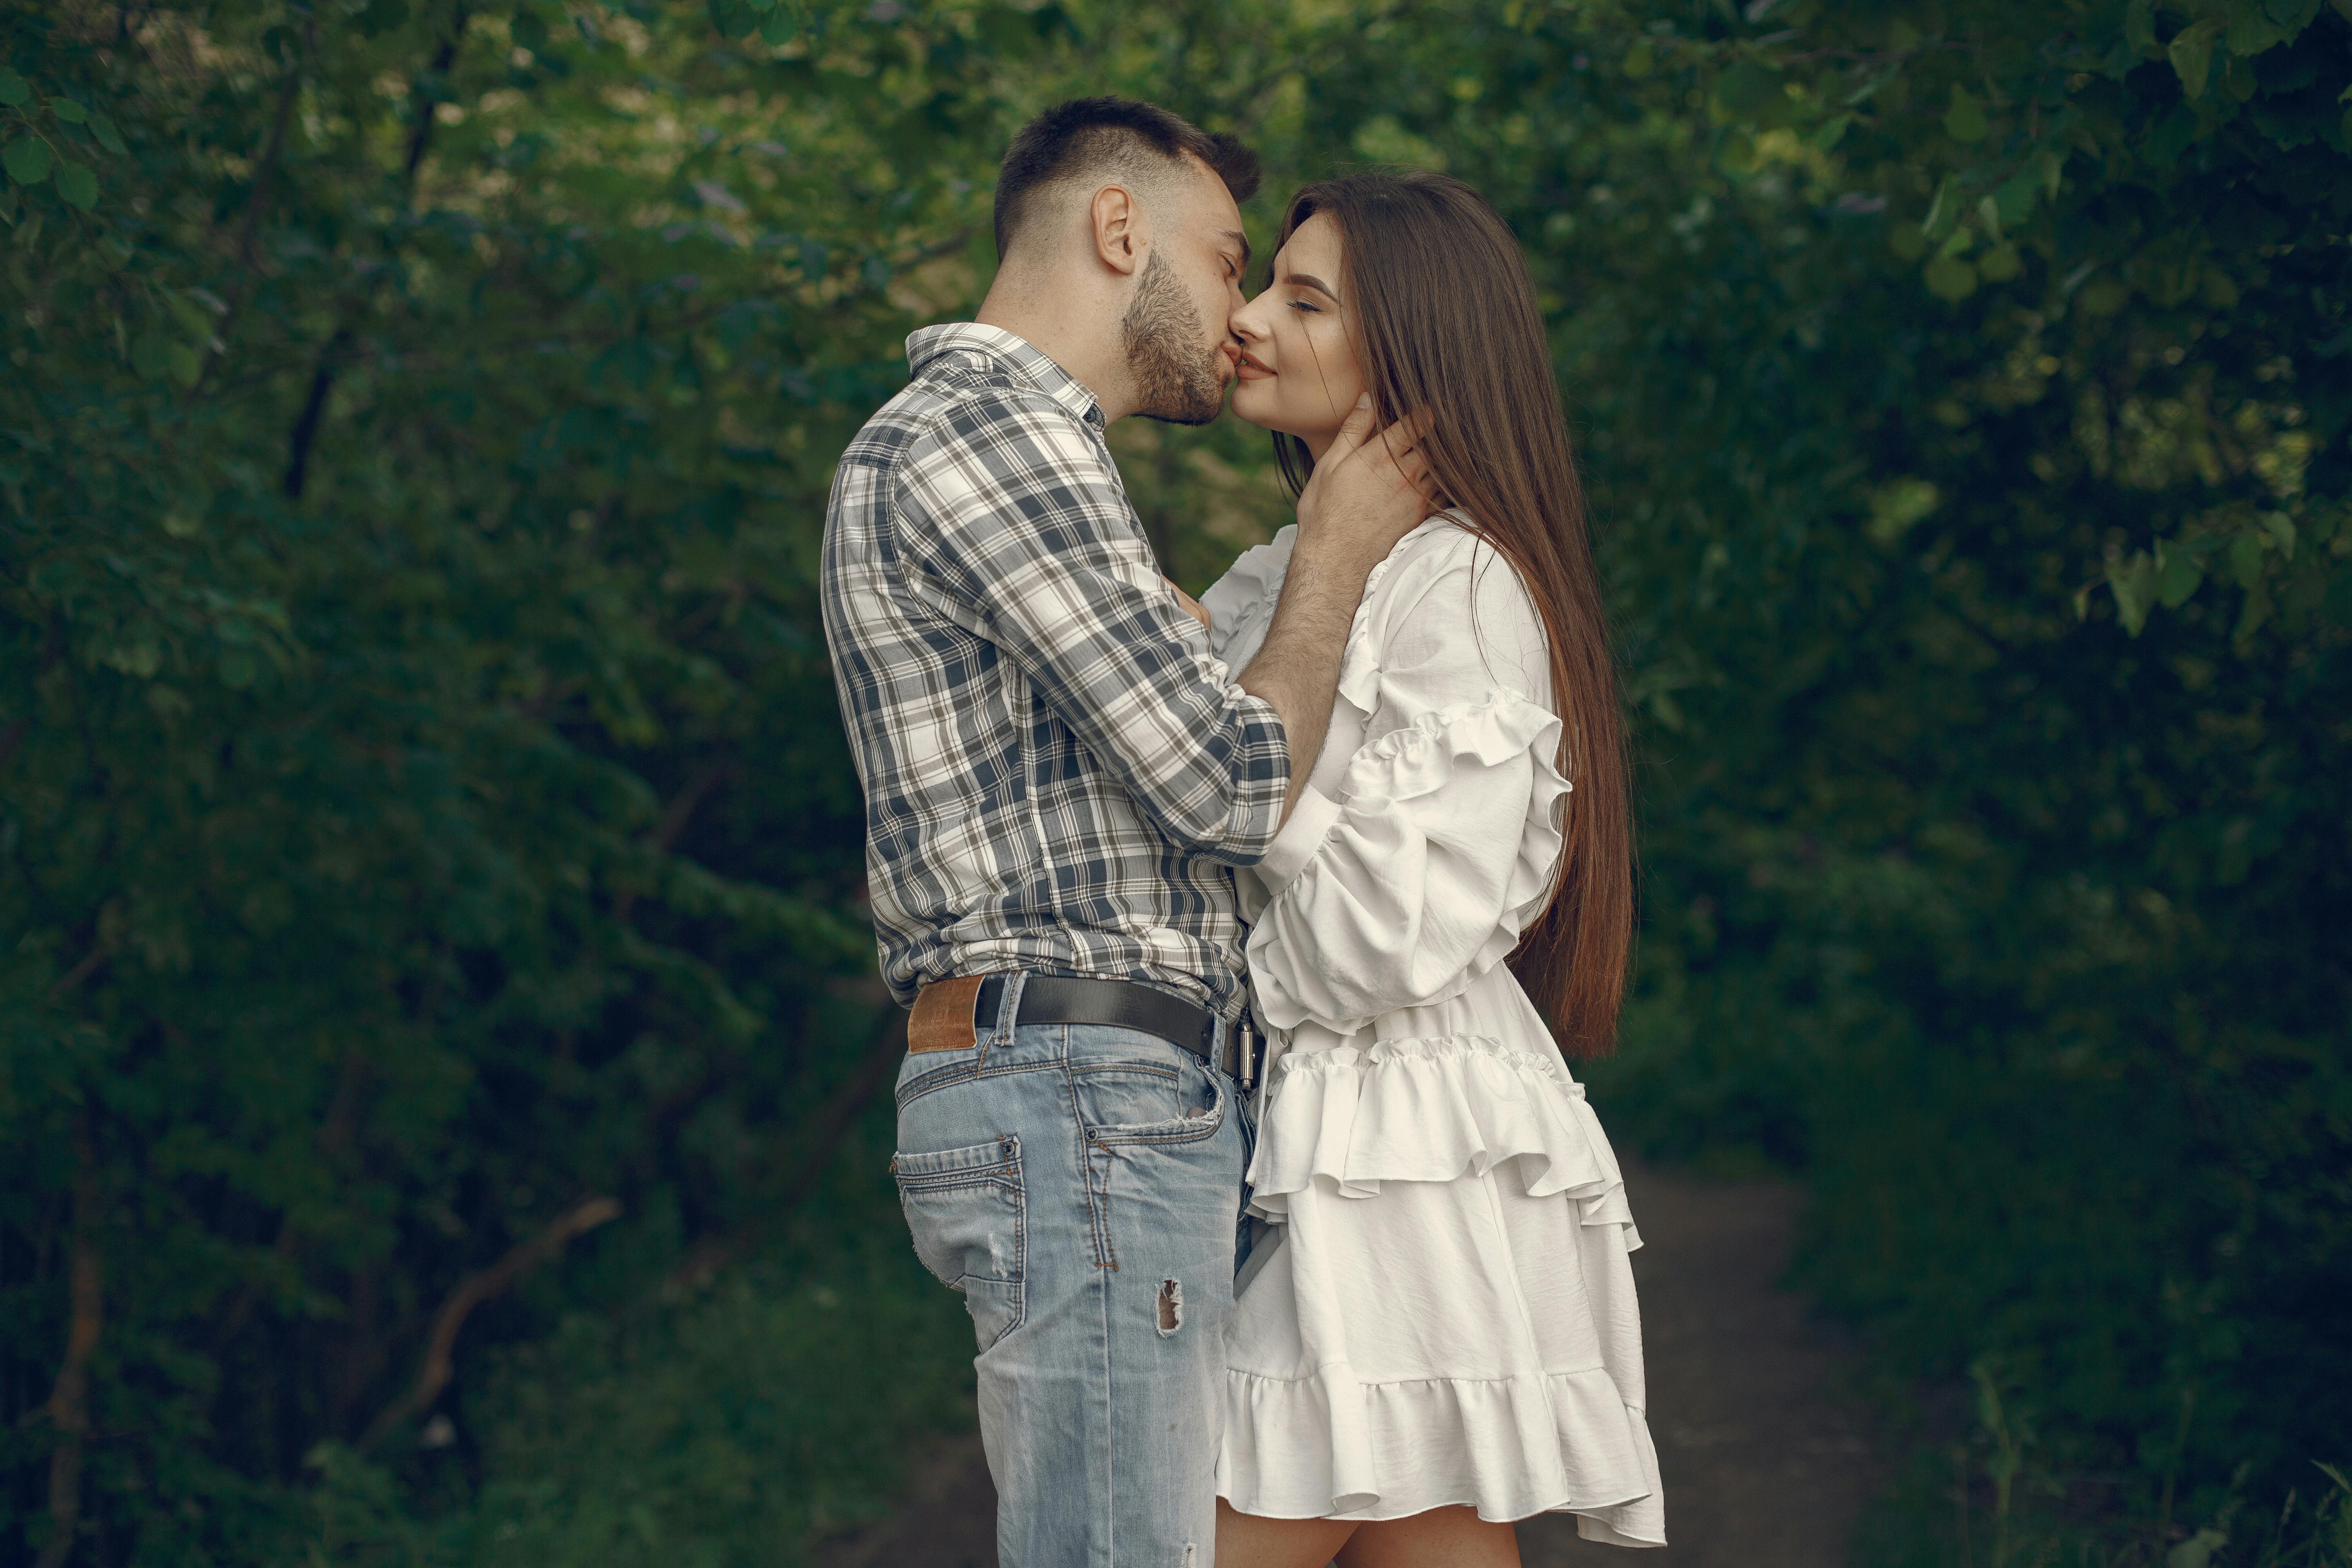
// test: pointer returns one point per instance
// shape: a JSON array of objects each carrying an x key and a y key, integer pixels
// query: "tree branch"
[
  {"x": 820, "y": 1143},
  {"x": 673, "y": 822},
  {"x": 257, "y": 201},
  {"x": 68, "y": 1405},
  {"x": 322, "y": 378},
  {"x": 474, "y": 1289},
  {"x": 334, "y": 1136},
  {"x": 314, "y": 410},
  {"x": 100, "y": 950}
]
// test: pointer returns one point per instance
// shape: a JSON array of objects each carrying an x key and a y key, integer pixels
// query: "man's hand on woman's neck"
[{"x": 1367, "y": 495}]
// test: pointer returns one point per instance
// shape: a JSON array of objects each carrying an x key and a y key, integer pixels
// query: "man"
[{"x": 1057, "y": 778}]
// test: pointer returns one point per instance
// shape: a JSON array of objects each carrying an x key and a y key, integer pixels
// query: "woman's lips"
[{"x": 1248, "y": 369}]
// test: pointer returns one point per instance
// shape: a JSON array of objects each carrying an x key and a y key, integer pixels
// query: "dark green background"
[{"x": 430, "y": 870}]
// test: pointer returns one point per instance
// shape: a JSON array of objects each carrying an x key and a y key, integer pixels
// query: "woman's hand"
[{"x": 1369, "y": 489}]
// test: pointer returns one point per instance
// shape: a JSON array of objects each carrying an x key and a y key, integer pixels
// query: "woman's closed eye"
[{"x": 1303, "y": 305}]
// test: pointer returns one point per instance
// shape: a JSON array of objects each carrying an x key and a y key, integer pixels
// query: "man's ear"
[{"x": 1122, "y": 233}]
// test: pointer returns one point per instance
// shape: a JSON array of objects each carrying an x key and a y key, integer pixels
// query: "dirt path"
[{"x": 1765, "y": 1466}]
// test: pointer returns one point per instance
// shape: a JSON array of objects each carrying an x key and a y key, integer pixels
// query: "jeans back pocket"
[{"x": 968, "y": 1213}]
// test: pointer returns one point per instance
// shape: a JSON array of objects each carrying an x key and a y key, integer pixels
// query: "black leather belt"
[{"x": 1124, "y": 1005}]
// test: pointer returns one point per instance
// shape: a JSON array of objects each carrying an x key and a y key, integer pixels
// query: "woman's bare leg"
[
  {"x": 1441, "y": 1538},
  {"x": 1245, "y": 1541}
]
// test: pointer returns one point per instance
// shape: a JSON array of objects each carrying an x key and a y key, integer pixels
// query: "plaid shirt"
[{"x": 1057, "y": 775}]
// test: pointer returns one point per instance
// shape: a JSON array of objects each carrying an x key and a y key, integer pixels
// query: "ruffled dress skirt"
[{"x": 1442, "y": 1310}]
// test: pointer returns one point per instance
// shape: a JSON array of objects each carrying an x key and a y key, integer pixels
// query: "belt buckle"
[{"x": 1248, "y": 1044}]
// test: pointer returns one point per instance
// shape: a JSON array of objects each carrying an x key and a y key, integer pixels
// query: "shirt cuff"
[{"x": 1310, "y": 823}]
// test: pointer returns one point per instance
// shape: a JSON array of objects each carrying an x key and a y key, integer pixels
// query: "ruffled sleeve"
[
  {"x": 1416, "y": 874},
  {"x": 1241, "y": 603}
]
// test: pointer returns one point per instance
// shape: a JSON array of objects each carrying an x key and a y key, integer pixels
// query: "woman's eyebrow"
[{"x": 1308, "y": 280}]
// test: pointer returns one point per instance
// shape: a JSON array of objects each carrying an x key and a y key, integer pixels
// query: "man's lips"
[{"x": 1248, "y": 369}]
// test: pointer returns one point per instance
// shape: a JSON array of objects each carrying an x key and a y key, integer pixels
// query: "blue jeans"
[{"x": 1079, "y": 1185}]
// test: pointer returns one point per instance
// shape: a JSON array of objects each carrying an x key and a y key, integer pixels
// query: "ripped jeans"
[{"x": 1079, "y": 1185}]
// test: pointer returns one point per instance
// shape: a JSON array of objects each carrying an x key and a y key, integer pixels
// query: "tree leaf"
[
  {"x": 1748, "y": 92},
  {"x": 2249, "y": 30},
  {"x": 2257, "y": 611},
  {"x": 2191, "y": 54},
  {"x": 1950, "y": 277},
  {"x": 2014, "y": 200},
  {"x": 732, "y": 18},
  {"x": 381, "y": 16},
  {"x": 779, "y": 28},
  {"x": 15, "y": 90},
  {"x": 78, "y": 184},
  {"x": 2178, "y": 578},
  {"x": 108, "y": 136},
  {"x": 151, "y": 355},
  {"x": 1965, "y": 121},
  {"x": 2246, "y": 559},
  {"x": 2133, "y": 582},
  {"x": 27, "y": 159},
  {"x": 1941, "y": 212},
  {"x": 2000, "y": 264},
  {"x": 66, "y": 110}
]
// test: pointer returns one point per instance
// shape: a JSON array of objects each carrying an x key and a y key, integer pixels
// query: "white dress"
[{"x": 1443, "y": 1311}]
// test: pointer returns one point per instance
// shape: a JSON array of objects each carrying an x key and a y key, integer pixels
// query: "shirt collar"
[{"x": 1013, "y": 352}]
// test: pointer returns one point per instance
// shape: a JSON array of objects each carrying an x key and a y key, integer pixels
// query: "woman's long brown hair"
[{"x": 1443, "y": 319}]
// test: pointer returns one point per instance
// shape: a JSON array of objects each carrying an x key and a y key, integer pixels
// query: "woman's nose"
[{"x": 1245, "y": 322}]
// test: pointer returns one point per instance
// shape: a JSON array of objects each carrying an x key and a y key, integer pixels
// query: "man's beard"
[{"x": 1177, "y": 379}]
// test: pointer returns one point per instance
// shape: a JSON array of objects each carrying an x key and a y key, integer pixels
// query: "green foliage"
[{"x": 424, "y": 814}]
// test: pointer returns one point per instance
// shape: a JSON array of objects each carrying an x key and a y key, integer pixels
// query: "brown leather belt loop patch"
[{"x": 942, "y": 1016}]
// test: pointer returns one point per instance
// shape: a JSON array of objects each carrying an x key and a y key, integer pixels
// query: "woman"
[{"x": 1437, "y": 1332}]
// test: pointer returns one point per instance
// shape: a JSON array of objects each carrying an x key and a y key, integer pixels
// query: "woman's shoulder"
[
  {"x": 1450, "y": 598},
  {"x": 1447, "y": 564}
]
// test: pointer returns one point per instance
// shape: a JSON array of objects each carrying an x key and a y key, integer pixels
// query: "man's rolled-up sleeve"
[{"x": 1014, "y": 526}]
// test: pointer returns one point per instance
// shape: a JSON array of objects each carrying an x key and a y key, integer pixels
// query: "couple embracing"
[{"x": 1244, "y": 939}]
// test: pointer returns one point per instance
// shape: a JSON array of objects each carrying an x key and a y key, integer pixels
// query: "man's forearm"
[
  {"x": 1368, "y": 490},
  {"x": 1296, "y": 671}
]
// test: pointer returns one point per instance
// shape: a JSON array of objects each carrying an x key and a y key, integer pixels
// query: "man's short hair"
[{"x": 1114, "y": 138}]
